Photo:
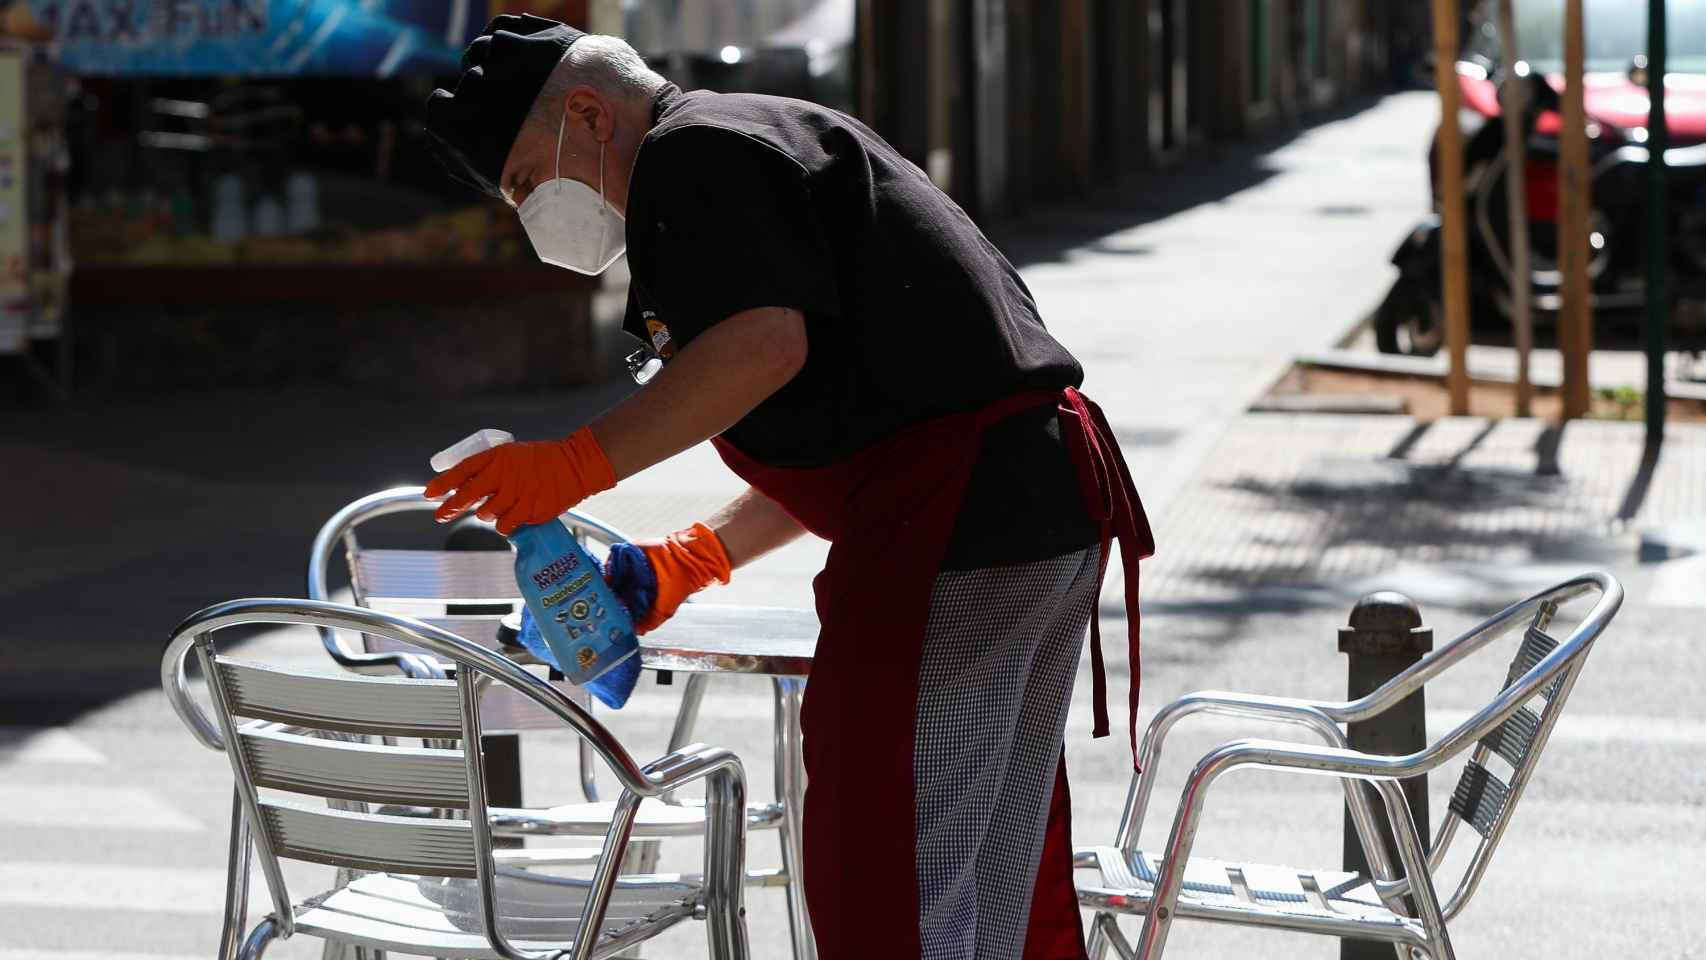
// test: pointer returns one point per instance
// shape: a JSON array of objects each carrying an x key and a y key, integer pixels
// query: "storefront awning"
[{"x": 372, "y": 38}]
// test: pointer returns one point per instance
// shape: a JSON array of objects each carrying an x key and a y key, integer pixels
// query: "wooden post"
[
  {"x": 1177, "y": 62},
  {"x": 1022, "y": 107},
  {"x": 1130, "y": 64},
  {"x": 1575, "y": 322},
  {"x": 1075, "y": 93},
  {"x": 1454, "y": 251},
  {"x": 989, "y": 100},
  {"x": 941, "y": 68},
  {"x": 1514, "y": 107},
  {"x": 866, "y": 77},
  {"x": 894, "y": 74}
]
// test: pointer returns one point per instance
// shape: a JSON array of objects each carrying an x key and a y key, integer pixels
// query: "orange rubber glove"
[
  {"x": 653, "y": 577},
  {"x": 524, "y": 482}
]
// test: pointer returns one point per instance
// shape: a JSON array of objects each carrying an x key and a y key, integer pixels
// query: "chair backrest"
[
  {"x": 1503, "y": 740},
  {"x": 464, "y": 592},
  {"x": 1504, "y": 757},
  {"x": 312, "y": 761},
  {"x": 310, "y": 736}
]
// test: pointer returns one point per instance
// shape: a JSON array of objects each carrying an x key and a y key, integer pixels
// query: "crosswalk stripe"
[
  {"x": 111, "y": 887},
  {"x": 1579, "y": 728},
  {"x": 1679, "y": 583},
  {"x": 27, "y": 954},
  {"x": 45, "y": 745},
  {"x": 124, "y": 808},
  {"x": 1600, "y": 728}
]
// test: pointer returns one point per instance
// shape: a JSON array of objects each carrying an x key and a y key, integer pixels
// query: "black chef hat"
[{"x": 503, "y": 71}]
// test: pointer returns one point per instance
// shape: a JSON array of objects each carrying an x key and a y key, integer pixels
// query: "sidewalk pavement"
[
  {"x": 1184, "y": 304},
  {"x": 1260, "y": 558},
  {"x": 1287, "y": 521}
]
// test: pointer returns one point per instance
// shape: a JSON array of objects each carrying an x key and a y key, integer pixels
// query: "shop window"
[{"x": 269, "y": 172}]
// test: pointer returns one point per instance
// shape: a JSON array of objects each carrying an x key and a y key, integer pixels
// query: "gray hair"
[{"x": 606, "y": 64}]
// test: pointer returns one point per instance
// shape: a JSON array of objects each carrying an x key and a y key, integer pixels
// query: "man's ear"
[{"x": 587, "y": 110}]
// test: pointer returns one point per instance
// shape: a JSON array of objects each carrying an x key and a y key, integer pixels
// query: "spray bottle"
[{"x": 586, "y": 630}]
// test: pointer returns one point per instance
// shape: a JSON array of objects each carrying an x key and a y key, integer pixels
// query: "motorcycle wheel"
[{"x": 1409, "y": 321}]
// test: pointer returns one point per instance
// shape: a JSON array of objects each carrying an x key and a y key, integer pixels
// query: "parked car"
[{"x": 1616, "y": 100}]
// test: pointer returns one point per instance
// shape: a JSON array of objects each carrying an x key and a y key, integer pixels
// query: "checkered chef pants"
[{"x": 1000, "y": 655}]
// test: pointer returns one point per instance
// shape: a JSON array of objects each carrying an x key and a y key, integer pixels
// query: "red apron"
[{"x": 889, "y": 511}]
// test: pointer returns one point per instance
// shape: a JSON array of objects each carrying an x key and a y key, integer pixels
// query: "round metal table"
[
  {"x": 705, "y": 639},
  {"x": 711, "y": 638}
]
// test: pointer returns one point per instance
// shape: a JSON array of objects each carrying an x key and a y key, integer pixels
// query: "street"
[{"x": 1185, "y": 297}]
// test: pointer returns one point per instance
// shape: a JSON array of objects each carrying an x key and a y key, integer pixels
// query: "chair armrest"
[
  {"x": 696, "y": 761},
  {"x": 725, "y": 828},
  {"x": 1304, "y": 713},
  {"x": 582, "y": 820},
  {"x": 1331, "y": 761},
  {"x": 1384, "y": 773}
]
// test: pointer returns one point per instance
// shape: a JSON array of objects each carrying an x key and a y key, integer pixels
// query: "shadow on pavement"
[
  {"x": 1642, "y": 482},
  {"x": 1209, "y": 173},
  {"x": 123, "y": 517},
  {"x": 123, "y": 514},
  {"x": 1486, "y": 528}
]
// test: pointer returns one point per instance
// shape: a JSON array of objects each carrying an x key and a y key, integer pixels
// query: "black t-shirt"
[{"x": 739, "y": 201}]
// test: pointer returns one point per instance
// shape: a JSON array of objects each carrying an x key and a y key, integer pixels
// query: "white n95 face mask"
[{"x": 570, "y": 224}]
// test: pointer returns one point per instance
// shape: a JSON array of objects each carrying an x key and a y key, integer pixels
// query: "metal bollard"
[{"x": 1384, "y": 638}]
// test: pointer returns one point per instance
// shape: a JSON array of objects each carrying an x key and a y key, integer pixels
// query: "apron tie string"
[{"x": 1112, "y": 501}]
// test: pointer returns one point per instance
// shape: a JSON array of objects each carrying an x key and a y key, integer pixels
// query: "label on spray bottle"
[
  {"x": 578, "y": 616},
  {"x": 587, "y": 629}
]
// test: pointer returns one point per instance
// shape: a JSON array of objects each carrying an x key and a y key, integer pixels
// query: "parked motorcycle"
[{"x": 1410, "y": 319}]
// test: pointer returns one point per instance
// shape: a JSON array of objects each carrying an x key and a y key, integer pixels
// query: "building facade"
[{"x": 1009, "y": 103}]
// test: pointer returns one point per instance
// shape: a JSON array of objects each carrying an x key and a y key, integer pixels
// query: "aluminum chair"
[
  {"x": 466, "y": 593},
  {"x": 421, "y": 885},
  {"x": 1509, "y": 733}
]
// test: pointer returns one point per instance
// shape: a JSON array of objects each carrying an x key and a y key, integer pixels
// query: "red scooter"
[{"x": 1409, "y": 320}]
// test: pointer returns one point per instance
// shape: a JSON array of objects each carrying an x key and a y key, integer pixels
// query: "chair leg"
[
  {"x": 642, "y": 857},
  {"x": 1096, "y": 944},
  {"x": 256, "y": 943},
  {"x": 725, "y": 859},
  {"x": 236, "y": 880},
  {"x": 1105, "y": 933},
  {"x": 790, "y": 792},
  {"x": 1414, "y": 857}
]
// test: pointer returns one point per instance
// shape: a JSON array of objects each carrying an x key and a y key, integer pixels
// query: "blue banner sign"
[{"x": 257, "y": 37}]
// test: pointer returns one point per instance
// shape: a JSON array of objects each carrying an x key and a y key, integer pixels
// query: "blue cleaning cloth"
[
  {"x": 616, "y": 685},
  {"x": 635, "y": 583},
  {"x": 632, "y": 579},
  {"x": 535, "y": 642},
  {"x": 612, "y": 688},
  {"x": 630, "y": 576}
]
